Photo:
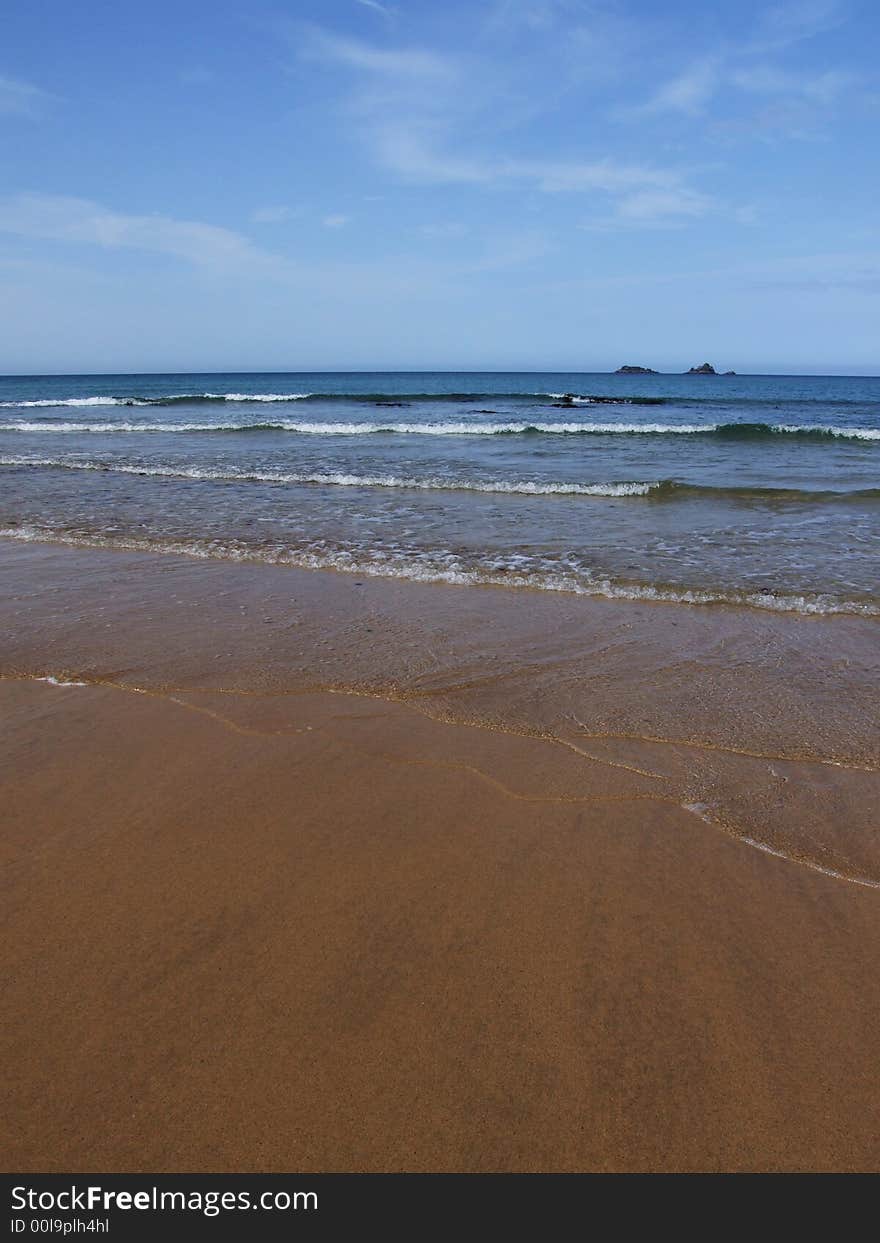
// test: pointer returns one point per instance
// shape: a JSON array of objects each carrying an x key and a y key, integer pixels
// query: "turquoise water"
[{"x": 758, "y": 489}]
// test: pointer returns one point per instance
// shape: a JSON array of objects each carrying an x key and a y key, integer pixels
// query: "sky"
[{"x": 439, "y": 184}]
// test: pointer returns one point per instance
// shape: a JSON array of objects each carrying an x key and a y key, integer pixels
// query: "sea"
[{"x": 761, "y": 491}]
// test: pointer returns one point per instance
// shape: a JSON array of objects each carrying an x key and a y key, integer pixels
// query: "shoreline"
[
  {"x": 694, "y": 809},
  {"x": 788, "y": 603},
  {"x": 766, "y": 724},
  {"x": 260, "y": 920}
]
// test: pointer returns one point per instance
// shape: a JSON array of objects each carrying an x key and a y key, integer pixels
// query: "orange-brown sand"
[{"x": 320, "y": 931}]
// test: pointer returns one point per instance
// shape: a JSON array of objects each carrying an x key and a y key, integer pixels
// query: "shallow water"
[
  {"x": 762, "y": 490},
  {"x": 762, "y": 724}
]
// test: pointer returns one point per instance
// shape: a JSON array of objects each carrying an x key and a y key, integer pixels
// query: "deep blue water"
[{"x": 763, "y": 489}]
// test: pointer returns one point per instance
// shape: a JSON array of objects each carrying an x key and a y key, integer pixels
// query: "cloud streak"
[
  {"x": 64, "y": 219},
  {"x": 785, "y": 24},
  {"x": 414, "y": 110},
  {"x": 745, "y": 68},
  {"x": 687, "y": 93},
  {"x": 820, "y": 88},
  {"x": 22, "y": 99},
  {"x": 272, "y": 214},
  {"x": 382, "y": 9},
  {"x": 414, "y": 63}
]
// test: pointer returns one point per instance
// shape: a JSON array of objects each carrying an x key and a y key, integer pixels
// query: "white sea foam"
[
  {"x": 357, "y": 429},
  {"x": 53, "y": 681},
  {"x": 574, "y": 399},
  {"x": 439, "y": 566},
  {"x": 847, "y": 433},
  {"x": 77, "y": 428},
  {"x": 459, "y": 428},
  {"x": 50, "y": 402},
  {"x": 526, "y": 487},
  {"x": 270, "y": 397},
  {"x": 703, "y": 811}
]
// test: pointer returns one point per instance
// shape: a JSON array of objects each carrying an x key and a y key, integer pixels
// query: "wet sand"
[{"x": 402, "y": 923}]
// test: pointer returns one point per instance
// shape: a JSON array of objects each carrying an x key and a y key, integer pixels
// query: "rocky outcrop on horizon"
[{"x": 703, "y": 369}]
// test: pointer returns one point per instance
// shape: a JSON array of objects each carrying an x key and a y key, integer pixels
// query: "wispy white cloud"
[
  {"x": 402, "y": 147},
  {"x": 858, "y": 271},
  {"x": 416, "y": 63},
  {"x": 653, "y": 205},
  {"x": 748, "y": 67},
  {"x": 19, "y": 98},
  {"x": 403, "y": 150},
  {"x": 562, "y": 49},
  {"x": 64, "y": 219},
  {"x": 384, "y": 9},
  {"x": 784, "y": 24},
  {"x": 531, "y": 14},
  {"x": 513, "y": 250},
  {"x": 607, "y": 175},
  {"x": 688, "y": 93},
  {"x": 335, "y": 221},
  {"x": 821, "y": 88},
  {"x": 272, "y": 214},
  {"x": 418, "y": 110},
  {"x": 447, "y": 229},
  {"x": 657, "y": 209}
]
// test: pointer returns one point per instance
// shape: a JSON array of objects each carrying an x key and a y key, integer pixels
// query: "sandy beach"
[
  {"x": 439, "y": 606},
  {"x": 254, "y": 924}
]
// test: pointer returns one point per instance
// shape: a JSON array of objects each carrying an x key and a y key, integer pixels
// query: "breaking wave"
[
  {"x": 526, "y": 487},
  {"x": 368, "y": 399},
  {"x": 441, "y": 566},
  {"x": 724, "y": 431},
  {"x": 657, "y": 489}
]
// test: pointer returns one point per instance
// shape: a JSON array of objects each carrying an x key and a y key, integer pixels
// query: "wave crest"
[
  {"x": 440, "y": 566},
  {"x": 726, "y": 431},
  {"x": 438, "y": 483},
  {"x": 368, "y": 399}
]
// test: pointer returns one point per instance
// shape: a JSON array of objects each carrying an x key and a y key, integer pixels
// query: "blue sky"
[{"x": 498, "y": 184}]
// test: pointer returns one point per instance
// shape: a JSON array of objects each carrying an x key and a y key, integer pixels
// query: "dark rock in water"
[
  {"x": 392, "y": 405},
  {"x": 728, "y": 373},
  {"x": 629, "y": 370},
  {"x": 703, "y": 369},
  {"x": 567, "y": 400}
]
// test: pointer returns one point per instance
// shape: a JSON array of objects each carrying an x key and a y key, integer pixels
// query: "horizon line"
[{"x": 828, "y": 375}]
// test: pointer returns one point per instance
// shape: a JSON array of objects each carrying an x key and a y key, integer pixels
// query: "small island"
[{"x": 703, "y": 369}]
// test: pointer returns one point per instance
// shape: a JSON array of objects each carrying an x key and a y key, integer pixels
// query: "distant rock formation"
[
  {"x": 703, "y": 369},
  {"x": 728, "y": 373},
  {"x": 628, "y": 370}
]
